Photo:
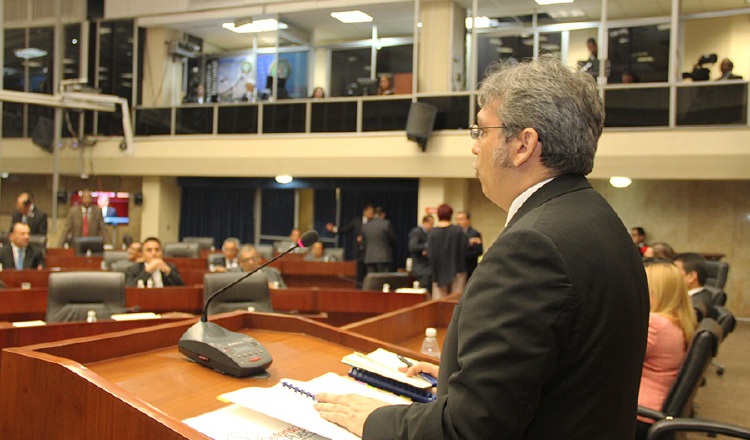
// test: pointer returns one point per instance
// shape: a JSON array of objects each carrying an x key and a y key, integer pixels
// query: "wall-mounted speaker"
[
  {"x": 420, "y": 123},
  {"x": 138, "y": 198},
  {"x": 62, "y": 197},
  {"x": 44, "y": 133}
]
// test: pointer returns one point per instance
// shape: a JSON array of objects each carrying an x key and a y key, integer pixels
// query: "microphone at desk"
[{"x": 235, "y": 354}]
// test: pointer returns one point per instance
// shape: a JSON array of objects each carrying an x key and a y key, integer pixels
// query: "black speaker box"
[
  {"x": 44, "y": 132},
  {"x": 138, "y": 198},
  {"x": 420, "y": 122},
  {"x": 62, "y": 197}
]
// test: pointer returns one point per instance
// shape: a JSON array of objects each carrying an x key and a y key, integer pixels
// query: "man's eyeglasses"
[{"x": 477, "y": 131}]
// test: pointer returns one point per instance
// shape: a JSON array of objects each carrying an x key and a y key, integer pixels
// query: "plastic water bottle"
[
  {"x": 88, "y": 253},
  {"x": 415, "y": 285},
  {"x": 140, "y": 284},
  {"x": 91, "y": 316},
  {"x": 430, "y": 345},
  {"x": 150, "y": 283},
  {"x": 386, "y": 287}
]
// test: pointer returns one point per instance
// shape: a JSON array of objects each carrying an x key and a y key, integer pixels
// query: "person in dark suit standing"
[
  {"x": 548, "y": 339},
  {"x": 474, "y": 246},
  {"x": 85, "y": 220},
  {"x": 378, "y": 238},
  {"x": 355, "y": 227},
  {"x": 420, "y": 264},
  {"x": 28, "y": 213},
  {"x": 19, "y": 254},
  {"x": 693, "y": 267},
  {"x": 153, "y": 271}
]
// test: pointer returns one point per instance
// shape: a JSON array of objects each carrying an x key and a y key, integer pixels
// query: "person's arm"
[
  {"x": 38, "y": 259},
  {"x": 475, "y": 246},
  {"x": 416, "y": 246},
  {"x": 173, "y": 278},
  {"x": 509, "y": 327},
  {"x": 134, "y": 273},
  {"x": 42, "y": 223}
]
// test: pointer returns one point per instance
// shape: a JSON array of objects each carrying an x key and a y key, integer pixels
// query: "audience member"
[
  {"x": 355, "y": 227},
  {"x": 28, "y": 213},
  {"x": 103, "y": 203},
  {"x": 693, "y": 268},
  {"x": 135, "y": 252},
  {"x": 659, "y": 251},
  {"x": 420, "y": 263},
  {"x": 85, "y": 220},
  {"x": 250, "y": 260},
  {"x": 385, "y": 84},
  {"x": 378, "y": 238},
  {"x": 229, "y": 260},
  {"x": 446, "y": 244},
  {"x": 726, "y": 68},
  {"x": 198, "y": 96},
  {"x": 671, "y": 325},
  {"x": 316, "y": 252},
  {"x": 318, "y": 92},
  {"x": 629, "y": 77},
  {"x": 252, "y": 94},
  {"x": 591, "y": 64},
  {"x": 474, "y": 247},
  {"x": 638, "y": 234},
  {"x": 153, "y": 271},
  {"x": 547, "y": 340},
  {"x": 20, "y": 255}
]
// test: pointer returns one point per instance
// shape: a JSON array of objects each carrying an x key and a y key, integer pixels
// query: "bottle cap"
[{"x": 430, "y": 332}]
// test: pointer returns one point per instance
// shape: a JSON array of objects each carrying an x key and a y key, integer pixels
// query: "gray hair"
[
  {"x": 560, "y": 103},
  {"x": 234, "y": 240}
]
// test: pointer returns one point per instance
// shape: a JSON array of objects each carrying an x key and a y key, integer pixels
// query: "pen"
[{"x": 426, "y": 376}]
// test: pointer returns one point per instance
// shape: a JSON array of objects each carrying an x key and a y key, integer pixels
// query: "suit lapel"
[{"x": 556, "y": 187}]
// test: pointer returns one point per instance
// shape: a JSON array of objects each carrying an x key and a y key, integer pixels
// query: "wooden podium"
[{"x": 135, "y": 384}]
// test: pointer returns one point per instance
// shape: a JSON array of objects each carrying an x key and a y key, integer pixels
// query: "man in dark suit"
[
  {"x": 228, "y": 261},
  {"x": 548, "y": 339},
  {"x": 85, "y": 220},
  {"x": 378, "y": 237},
  {"x": 355, "y": 227},
  {"x": 250, "y": 259},
  {"x": 474, "y": 247},
  {"x": 420, "y": 264},
  {"x": 18, "y": 254},
  {"x": 27, "y": 212},
  {"x": 153, "y": 271},
  {"x": 693, "y": 267}
]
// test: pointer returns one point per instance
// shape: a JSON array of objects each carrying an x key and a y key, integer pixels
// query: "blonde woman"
[{"x": 670, "y": 329}]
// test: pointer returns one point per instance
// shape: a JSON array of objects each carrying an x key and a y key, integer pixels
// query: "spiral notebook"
[
  {"x": 380, "y": 369},
  {"x": 292, "y": 401}
]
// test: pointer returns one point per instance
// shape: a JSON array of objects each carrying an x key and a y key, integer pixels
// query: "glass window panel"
[
  {"x": 238, "y": 119},
  {"x": 642, "y": 50},
  {"x": 728, "y": 40},
  {"x": 284, "y": 118},
  {"x": 453, "y": 112},
  {"x": 14, "y": 76},
  {"x": 347, "y": 66},
  {"x": 292, "y": 73},
  {"x": 13, "y": 120},
  {"x": 334, "y": 117},
  {"x": 152, "y": 121},
  {"x": 550, "y": 43},
  {"x": 194, "y": 120},
  {"x": 40, "y": 67},
  {"x": 385, "y": 115},
  {"x": 636, "y": 107},
  {"x": 72, "y": 59},
  {"x": 715, "y": 104},
  {"x": 579, "y": 50},
  {"x": 494, "y": 48},
  {"x": 397, "y": 61}
]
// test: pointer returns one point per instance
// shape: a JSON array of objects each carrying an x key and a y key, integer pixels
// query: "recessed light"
[
  {"x": 552, "y": 2},
  {"x": 479, "y": 22},
  {"x": 284, "y": 179},
  {"x": 29, "y": 53},
  {"x": 263, "y": 25},
  {"x": 351, "y": 16},
  {"x": 620, "y": 182}
]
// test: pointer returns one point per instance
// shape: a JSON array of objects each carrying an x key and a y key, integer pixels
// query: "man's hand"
[
  {"x": 158, "y": 263},
  {"x": 347, "y": 410},
  {"x": 330, "y": 227},
  {"x": 475, "y": 240},
  {"x": 421, "y": 367}
]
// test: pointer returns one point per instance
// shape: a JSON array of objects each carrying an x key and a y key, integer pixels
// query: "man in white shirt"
[
  {"x": 153, "y": 271},
  {"x": 19, "y": 255},
  {"x": 693, "y": 267}
]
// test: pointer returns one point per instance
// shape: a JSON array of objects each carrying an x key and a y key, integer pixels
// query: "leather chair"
[
  {"x": 39, "y": 241},
  {"x": 718, "y": 296},
  {"x": 214, "y": 258},
  {"x": 250, "y": 292},
  {"x": 717, "y": 273},
  {"x": 727, "y": 321},
  {"x": 265, "y": 250},
  {"x": 375, "y": 281},
  {"x": 112, "y": 256},
  {"x": 679, "y": 400},
  {"x": 70, "y": 295},
  {"x": 333, "y": 254},
  {"x": 181, "y": 250},
  {"x": 84, "y": 244},
  {"x": 203, "y": 242},
  {"x": 121, "y": 265}
]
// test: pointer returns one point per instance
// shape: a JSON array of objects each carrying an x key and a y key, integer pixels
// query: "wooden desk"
[
  {"x": 14, "y": 278},
  {"x": 299, "y": 273},
  {"x": 136, "y": 384},
  {"x": 74, "y": 262}
]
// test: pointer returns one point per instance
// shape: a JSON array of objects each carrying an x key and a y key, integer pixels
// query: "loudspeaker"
[
  {"x": 62, "y": 197},
  {"x": 420, "y": 122},
  {"x": 138, "y": 198},
  {"x": 43, "y": 135}
]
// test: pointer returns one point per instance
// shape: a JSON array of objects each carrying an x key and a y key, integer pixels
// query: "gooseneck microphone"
[
  {"x": 306, "y": 240},
  {"x": 235, "y": 354}
]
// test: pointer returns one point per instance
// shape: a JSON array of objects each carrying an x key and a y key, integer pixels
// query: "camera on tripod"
[{"x": 699, "y": 72}]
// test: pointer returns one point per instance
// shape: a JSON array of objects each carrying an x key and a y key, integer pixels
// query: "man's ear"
[{"x": 528, "y": 147}]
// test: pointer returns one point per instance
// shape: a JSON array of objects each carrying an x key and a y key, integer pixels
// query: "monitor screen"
[{"x": 115, "y": 205}]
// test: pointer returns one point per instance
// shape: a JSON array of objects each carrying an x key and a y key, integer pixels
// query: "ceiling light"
[
  {"x": 552, "y": 2},
  {"x": 29, "y": 52},
  {"x": 263, "y": 25},
  {"x": 284, "y": 179},
  {"x": 481, "y": 22},
  {"x": 351, "y": 16},
  {"x": 567, "y": 13},
  {"x": 620, "y": 182}
]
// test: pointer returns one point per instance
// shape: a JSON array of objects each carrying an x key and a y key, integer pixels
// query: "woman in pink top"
[{"x": 670, "y": 328}]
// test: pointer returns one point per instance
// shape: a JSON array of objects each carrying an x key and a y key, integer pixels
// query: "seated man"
[
  {"x": 693, "y": 267},
  {"x": 316, "y": 253},
  {"x": 250, "y": 260},
  {"x": 135, "y": 252},
  {"x": 153, "y": 271},
  {"x": 19, "y": 255},
  {"x": 229, "y": 261}
]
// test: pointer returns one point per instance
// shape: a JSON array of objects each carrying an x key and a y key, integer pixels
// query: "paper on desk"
[
  {"x": 236, "y": 422},
  {"x": 297, "y": 409},
  {"x": 134, "y": 316},
  {"x": 385, "y": 363}
]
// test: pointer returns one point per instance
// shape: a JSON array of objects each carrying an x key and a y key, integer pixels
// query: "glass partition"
[
  {"x": 153, "y": 121},
  {"x": 240, "y": 119},
  {"x": 719, "y": 103},
  {"x": 332, "y": 117},
  {"x": 639, "y": 54},
  {"x": 637, "y": 107}
]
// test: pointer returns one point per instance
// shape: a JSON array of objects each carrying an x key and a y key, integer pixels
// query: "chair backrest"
[
  {"x": 717, "y": 273},
  {"x": 203, "y": 242},
  {"x": 333, "y": 254},
  {"x": 121, "y": 265},
  {"x": 39, "y": 241},
  {"x": 214, "y": 257},
  {"x": 112, "y": 256},
  {"x": 181, "y": 250},
  {"x": 250, "y": 292},
  {"x": 265, "y": 250},
  {"x": 84, "y": 244},
  {"x": 702, "y": 349},
  {"x": 718, "y": 296},
  {"x": 726, "y": 320},
  {"x": 375, "y": 281},
  {"x": 70, "y": 295}
]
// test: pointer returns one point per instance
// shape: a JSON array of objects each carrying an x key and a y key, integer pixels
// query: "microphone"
[{"x": 232, "y": 353}]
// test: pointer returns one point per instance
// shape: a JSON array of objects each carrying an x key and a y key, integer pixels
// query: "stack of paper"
[{"x": 385, "y": 363}]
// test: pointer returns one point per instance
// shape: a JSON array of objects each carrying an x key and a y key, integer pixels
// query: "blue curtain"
[
  {"x": 277, "y": 217},
  {"x": 218, "y": 213},
  {"x": 324, "y": 211}
]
